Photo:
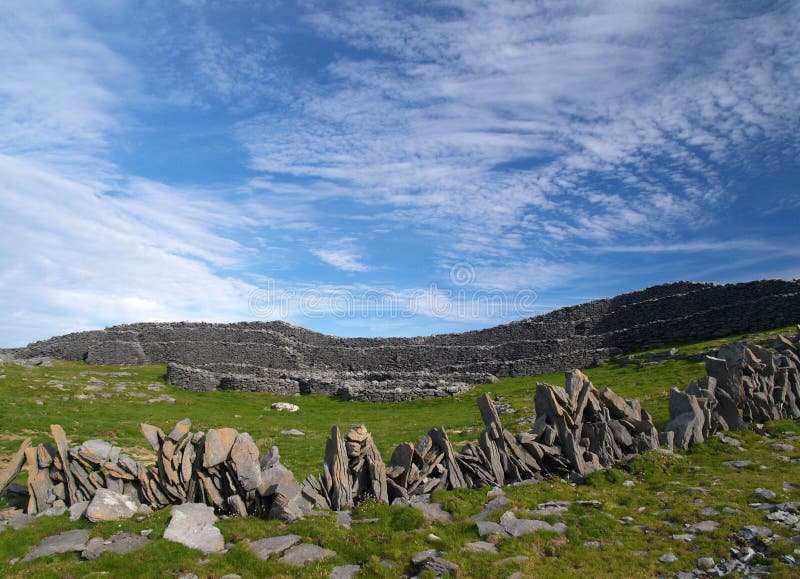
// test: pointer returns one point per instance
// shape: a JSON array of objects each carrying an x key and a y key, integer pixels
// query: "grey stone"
[
  {"x": 305, "y": 553},
  {"x": 110, "y": 506},
  {"x": 738, "y": 463},
  {"x": 21, "y": 521},
  {"x": 285, "y": 407},
  {"x": 706, "y": 563},
  {"x": 121, "y": 543},
  {"x": 343, "y": 519},
  {"x": 489, "y": 528},
  {"x": 765, "y": 494},
  {"x": 439, "y": 567},
  {"x": 77, "y": 510},
  {"x": 423, "y": 556},
  {"x": 480, "y": 547},
  {"x": 519, "y": 527},
  {"x": 293, "y": 432},
  {"x": 703, "y": 527},
  {"x": 192, "y": 524},
  {"x": 750, "y": 532},
  {"x": 433, "y": 511},
  {"x": 65, "y": 542},
  {"x": 218, "y": 445},
  {"x": 668, "y": 557},
  {"x": 344, "y": 572},
  {"x": 263, "y": 548}
]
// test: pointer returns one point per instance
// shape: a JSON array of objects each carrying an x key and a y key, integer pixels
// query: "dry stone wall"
[
  {"x": 273, "y": 356},
  {"x": 577, "y": 430}
]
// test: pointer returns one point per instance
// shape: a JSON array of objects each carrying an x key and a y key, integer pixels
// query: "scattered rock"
[
  {"x": 192, "y": 524},
  {"x": 703, "y": 527},
  {"x": 285, "y": 407},
  {"x": 706, "y": 563},
  {"x": 293, "y": 432},
  {"x": 344, "y": 572},
  {"x": 480, "y": 547},
  {"x": 765, "y": 494},
  {"x": 304, "y": 553},
  {"x": 121, "y": 543},
  {"x": 668, "y": 557},
  {"x": 432, "y": 511},
  {"x": 263, "y": 548},
  {"x": 65, "y": 542},
  {"x": 738, "y": 463},
  {"x": 519, "y": 527}
]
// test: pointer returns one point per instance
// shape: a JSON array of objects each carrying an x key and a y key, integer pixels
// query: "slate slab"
[
  {"x": 305, "y": 553},
  {"x": 263, "y": 548},
  {"x": 65, "y": 542}
]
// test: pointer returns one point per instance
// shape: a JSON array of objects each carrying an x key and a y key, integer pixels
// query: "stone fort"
[{"x": 285, "y": 359}]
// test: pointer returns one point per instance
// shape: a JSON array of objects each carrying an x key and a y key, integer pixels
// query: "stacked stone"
[
  {"x": 221, "y": 468},
  {"x": 745, "y": 383},
  {"x": 579, "y": 429},
  {"x": 353, "y": 472}
]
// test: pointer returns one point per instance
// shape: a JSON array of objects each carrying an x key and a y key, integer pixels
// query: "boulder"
[
  {"x": 110, "y": 506},
  {"x": 192, "y": 524}
]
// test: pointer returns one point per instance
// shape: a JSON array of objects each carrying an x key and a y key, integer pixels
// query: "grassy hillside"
[{"x": 110, "y": 402}]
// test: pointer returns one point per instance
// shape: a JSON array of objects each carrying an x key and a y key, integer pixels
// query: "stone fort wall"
[{"x": 254, "y": 355}]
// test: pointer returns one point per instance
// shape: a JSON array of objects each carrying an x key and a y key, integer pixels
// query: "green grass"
[{"x": 667, "y": 494}]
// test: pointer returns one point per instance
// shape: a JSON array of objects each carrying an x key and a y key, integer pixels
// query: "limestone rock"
[
  {"x": 344, "y": 572},
  {"x": 65, "y": 542},
  {"x": 192, "y": 524},
  {"x": 110, "y": 506},
  {"x": 304, "y": 553},
  {"x": 218, "y": 445},
  {"x": 285, "y": 407},
  {"x": 121, "y": 543},
  {"x": 263, "y": 548}
]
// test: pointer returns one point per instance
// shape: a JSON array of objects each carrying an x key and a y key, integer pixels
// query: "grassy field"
[{"x": 110, "y": 402}]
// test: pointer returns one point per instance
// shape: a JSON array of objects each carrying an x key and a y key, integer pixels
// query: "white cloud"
[{"x": 342, "y": 254}]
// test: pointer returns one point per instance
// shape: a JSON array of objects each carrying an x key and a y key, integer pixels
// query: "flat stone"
[
  {"x": 304, "y": 553},
  {"x": 121, "y": 543},
  {"x": 668, "y": 557},
  {"x": 782, "y": 447},
  {"x": 519, "y": 527},
  {"x": 750, "y": 532},
  {"x": 192, "y": 524},
  {"x": 293, "y": 432},
  {"x": 110, "y": 506},
  {"x": 344, "y": 572},
  {"x": 433, "y": 511},
  {"x": 263, "y": 548},
  {"x": 480, "y": 547},
  {"x": 709, "y": 512},
  {"x": 21, "y": 521},
  {"x": 488, "y": 528},
  {"x": 285, "y": 407},
  {"x": 440, "y": 567},
  {"x": 765, "y": 494},
  {"x": 738, "y": 463},
  {"x": 65, "y": 542},
  {"x": 704, "y": 527},
  {"x": 686, "y": 537}
]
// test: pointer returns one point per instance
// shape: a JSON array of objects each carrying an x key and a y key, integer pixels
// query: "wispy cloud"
[{"x": 342, "y": 254}]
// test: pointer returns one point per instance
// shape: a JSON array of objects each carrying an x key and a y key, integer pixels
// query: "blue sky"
[{"x": 387, "y": 168}]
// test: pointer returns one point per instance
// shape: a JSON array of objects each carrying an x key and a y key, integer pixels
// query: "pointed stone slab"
[
  {"x": 180, "y": 430},
  {"x": 340, "y": 491},
  {"x": 62, "y": 445},
  {"x": 455, "y": 478},
  {"x": 244, "y": 455},
  {"x": 153, "y": 434},
  {"x": 490, "y": 416},
  {"x": 376, "y": 470},
  {"x": 12, "y": 469}
]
